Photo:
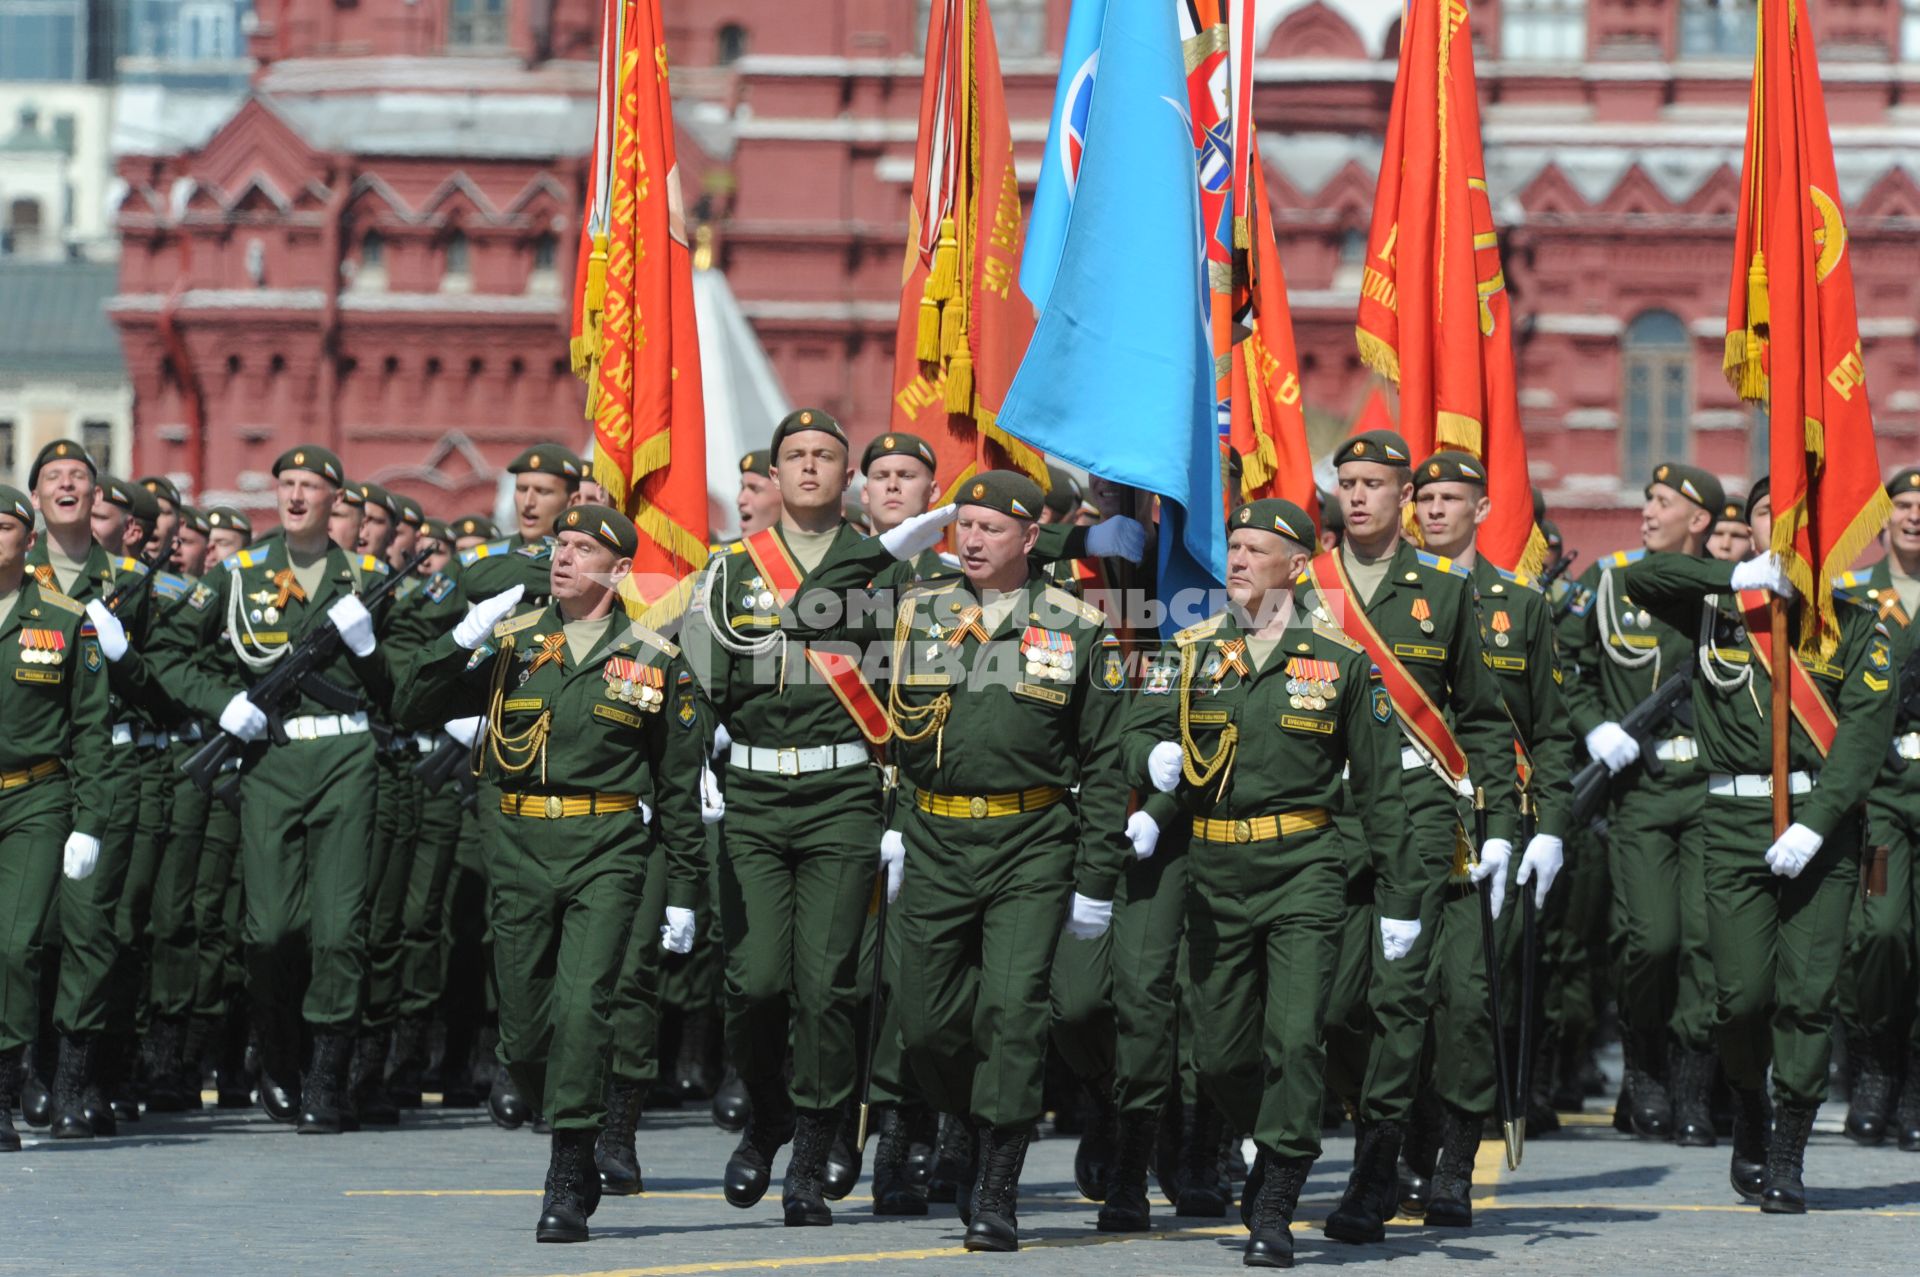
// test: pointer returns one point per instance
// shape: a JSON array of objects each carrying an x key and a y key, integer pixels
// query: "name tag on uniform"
[
  {"x": 524, "y": 702},
  {"x": 1299, "y": 723},
  {"x": 1420, "y": 651},
  {"x": 1517, "y": 664},
  {"x": 613, "y": 715},
  {"x": 36, "y": 676},
  {"x": 1052, "y": 695},
  {"x": 1207, "y": 717},
  {"x": 928, "y": 680}
]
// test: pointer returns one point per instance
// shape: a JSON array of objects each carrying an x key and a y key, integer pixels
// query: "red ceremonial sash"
[
  {"x": 776, "y": 566},
  {"x": 1416, "y": 709},
  {"x": 1810, "y": 706}
]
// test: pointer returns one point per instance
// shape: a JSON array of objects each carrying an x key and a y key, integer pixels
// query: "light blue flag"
[
  {"x": 1060, "y": 163},
  {"x": 1119, "y": 375}
]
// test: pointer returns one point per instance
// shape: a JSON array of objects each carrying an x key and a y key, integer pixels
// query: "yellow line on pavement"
[
  {"x": 1489, "y": 1160},
  {"x": 524, "y": 1192}
]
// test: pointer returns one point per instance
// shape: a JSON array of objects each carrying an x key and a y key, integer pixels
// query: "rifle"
[
  {"x": 1909, "y": 707},
  {"x": 1590, "y": 782},
  {"x": 1490, "y": 954},
  {"x": 440, "y": 767},
  {"x": 1557, "y": 569},
  {"x": 314, "y": 649}
]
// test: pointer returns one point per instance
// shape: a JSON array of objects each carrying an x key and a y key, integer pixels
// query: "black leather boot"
[
  {"x": 923, "y": 1132},
  {"x": 1093, "y": 1157},
  {"x": 1168, "y": 1145},
  {"x": 1126, "y": 1209},
  {"x": 371, "y": 1101},
  {"x": 36, "y": 1088},
  {"x": 111, "y": 1098},
  {"x": 233, "y": 1080},
  {"x": 323, "y": 1097},
  {"x": 410, "y": 1048},
  {"x": 894, "y": 1189},
  {"x": 846, "y": 1155},
  {"x": 1752, "y": 1116},
  {"x": 1907, "y": 1116},
  {"x": 1785, "y": 1193},
  {"x": 802, "y": 1192},
  {"x": 996, "y": 1200},
  {"x": 771, "y": 1125},
  {"x": 614, "y": 1156},
  {"x": 10, "y": 1072},
  {"x": 1282, "y": 1178},
  {"x": 1413, "y": 1173},
  {"x": 1450, "y": 1205},
  {"x": 732, "y": 1108},
  {"x": 953, "y": 1166},
  {"x": 694, "y": 1066},
  {"x": 1871, "y": 1101},
  {"x": 1204, "y": 1190},
  {"x": 1691, "y": 1074},
  {"x": 1368, "y": 1202},
  {"x": 1644, "y": 1109},
  {"x": 572, "y": 1189},
  {"x": 162, "y": 1053},
  {"x": 505, "y": 1105},
  {"x": 71, "y": 1076}
]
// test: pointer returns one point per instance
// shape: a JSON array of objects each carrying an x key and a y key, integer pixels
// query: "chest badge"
[
  {"x": 1422, "y": 611},
  {"x": 1310, "y": 682},
  {"x": 633, "y": 683},
  {"x": 1501, "y": 624},
  {"x": 43, "y": 647},
  {"x": 1048, "y": 653}
]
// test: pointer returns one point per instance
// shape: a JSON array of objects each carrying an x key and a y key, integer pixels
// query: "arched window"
[
  {"x": 1543, "y": 30},
  {"x": 730, "y": 44},
  {"x": 458, "y": 277},
  {"x": 1656, "y": 365},
  {"x": 371, "y": 273},
  {"x": 544, "y": 278},
  {"x": 1717, "y": 28}
]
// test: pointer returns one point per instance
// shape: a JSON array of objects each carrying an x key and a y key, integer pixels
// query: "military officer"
[
  {"x": 1414, "y": 613},
  {"x": 590, "y": 731},
  {"x": 123, "y": 516},
  {"x": 758, "y": 500},
  {"x": 1624, "y": 651},
  {"x": 306, "y": 828},
  {"x": 55, "y": 779},
  {"x": 1516, "y": 630},
  {"x": 1880, "y": 984},
  {"x": 1776, "y": 914},
  {"x": 1004, "y": 693},
  {"x": 1251, "y": 723},
  {"x": 470, "y": 530},
  {"x": 1731, "y": 539},
  {"x": 411, "y": 521}
]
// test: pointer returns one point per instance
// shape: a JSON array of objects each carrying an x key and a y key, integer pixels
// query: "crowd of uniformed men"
[{"x": 1176, "y": 896}]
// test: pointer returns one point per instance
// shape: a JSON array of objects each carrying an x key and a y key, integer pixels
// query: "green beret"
[
  {"x": 549, "y": 458},
  {"x": 1761, "y": 489},
  {"x": 352, "y": 495},
  {"x": 1907, "y": 480},
  {"x": 1064, "y": 493},
  {"x": 225, "y": 516},
  {"x": 605, "y": 525},
  {"x": 60, "y": 450},
  {"x": 475, "y": 525},
  {"x": 1732, "y": 510},
  {"x": 1539, "y": 505},
  {"x": 1383, "y": 447},
  {"x": 374, "y": 494},
  {"x": 162, "y": 487},
  {"x": 757, "y": 462},
  {"x": 1691, "y": 482},
  {"x": 1332, "y": 518},
  {"x": 897, "y": 444},
  {"x": 192, "y": 518},
  {"x": 135, "y": 500},
  {"x": 1551, "y": 531},
  {"x": 436, "y": 530},
  {"x": 1236, "y": 465},
  {"x": 314, "y": 460},
  {"x": 410, "y": 510},
  {"x": 1271, "y": 514},
  {"x": 1450, "y": 467},
  {"x": 805, "y": 419},
  {"x": 1007, "y": 491},
  {"x": 14, "y": 502}
]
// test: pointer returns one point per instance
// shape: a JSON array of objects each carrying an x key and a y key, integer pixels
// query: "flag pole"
[{"x": 1782, "y": 717}]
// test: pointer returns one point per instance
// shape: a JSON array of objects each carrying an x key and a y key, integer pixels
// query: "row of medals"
[
  {"x": 1043, "y": 662},
  {"x": 42, "y": 656},
  {"x": 758, "y": 596},
  {"x": 645, "y": 695},
  {"x": 1309, "y": 693}
]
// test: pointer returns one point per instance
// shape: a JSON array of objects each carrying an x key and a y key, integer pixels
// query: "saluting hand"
[
  {"x": 921, "y": 532},
  {"x": 484, "y": 615}
]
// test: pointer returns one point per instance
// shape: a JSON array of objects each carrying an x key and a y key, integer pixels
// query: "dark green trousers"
[
  {"x": 389, "y": 873},
  {"x": 636, "y": 1002},
  {"x": 1573, "y": 942},
  {"x": 562, "y": 900},
  {"x": 89, "y": 945},
  {"x": 890, "y": 1081},
  {"x": 172, "y": 922},
  {"x": 1880, "y": 984},
  {"x": 34, "y": 823},
  {"x": 219, "y": 969},
  {"x": 306, "y": 835},
  {"x": 1658, "y": 913},
  {"x": 1263, "y": 930},
  {"x": 1777, "y": 946},
  {"x": 423, "y": 968},
  {"x": 795, "y": 878},
  {"x": 980, "y": 911}
]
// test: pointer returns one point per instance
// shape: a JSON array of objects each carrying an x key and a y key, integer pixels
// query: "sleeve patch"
[{"x": 202, "y": 595}]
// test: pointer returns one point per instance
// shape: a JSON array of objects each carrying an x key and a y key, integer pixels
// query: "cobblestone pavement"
[{"x": 229, "y": 1193}]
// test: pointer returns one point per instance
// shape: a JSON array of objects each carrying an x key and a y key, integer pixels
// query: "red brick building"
[{"x": 447, "y": 136}]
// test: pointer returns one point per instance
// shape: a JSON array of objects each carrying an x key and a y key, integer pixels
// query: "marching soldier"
[
  {"x": 1414, "y": 614},
  {"x": 1731, "y": 539},
  {"x": 410, "y": 523},
  {"x": 590, "y": 730},
  {"x": 1251, "y": 725},
  {"x": 1624, "y": 650},
  {"x": 123, "y": 516},
  {"x": 306, "y": 827},
  {"x": 1776, "y": 918},
  {"x": 758, "y": 500},
  {"x": 1880, "y": 985}
]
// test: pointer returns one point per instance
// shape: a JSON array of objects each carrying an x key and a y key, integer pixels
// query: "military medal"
[
  {"x": 1646, "y": 618},
  {"x": 1423, "y": 613},
  {"x": 42, "y": 647},
  {"x": 270, "y": 615},
  {"x": 1500, "y": 624},
  {"x": 1232, "y": 655}
]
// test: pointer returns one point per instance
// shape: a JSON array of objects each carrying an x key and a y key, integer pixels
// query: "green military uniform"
[
  {"x": 1777, "y": 942},
  {"x": 55, "y": 780}
]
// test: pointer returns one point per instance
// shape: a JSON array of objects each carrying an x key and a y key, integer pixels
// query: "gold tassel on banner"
[
  {"x": 926, "y": 345},
  {"x": 1757, "y": 292},
  {"x": 943, "y": 281},
  {"x": 959, "y": 386}
]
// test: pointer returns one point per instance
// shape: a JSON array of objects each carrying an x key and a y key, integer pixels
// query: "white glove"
[
  {"x": 112, "y": 634},
  {"x": 1763, "y": 573},
  {"x": 350, "y": 616},
  {"x": 1792, "y": 850},
  {"x": 1089, "y": 919},
  {"x": 1544, "y": 857},
  {"x": 1143, "y": 831},
  {"x": 1396, "y": 938},
  {"x": 893, "y": 854},
  {"x": 464, "y": 730},
  {"x": 1495, "y": 854},
  {"x": 1610, "y": 744},
  {"x": 243, "y": 718},
  {"x": 921, "y": 532},
  {"x": 484, "y": 615},
  {"x": 722, "y": 739},
  {"x": 81, "y": 855},
  {"x": 713, "y": 803},
  {"x": 1164, "y": 765},
  {"x": 676, "y": 933},
  {"x": 1118, "y": 538}
]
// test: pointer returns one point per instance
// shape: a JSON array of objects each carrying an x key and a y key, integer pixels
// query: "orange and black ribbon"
[
  {"x": 553, "y": 648},
  {"x": 289, "y": 588},
  {"x": 967, "y": 623}
]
